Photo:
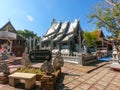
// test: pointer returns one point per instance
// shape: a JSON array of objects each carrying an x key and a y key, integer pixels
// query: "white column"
[
  {"x": 34, "y": 43},
  {"x": 30, "y": 43},
  {"x": 40, "y": 45}
]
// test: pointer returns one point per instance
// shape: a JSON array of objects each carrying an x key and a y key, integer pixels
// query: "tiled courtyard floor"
[{"x": 102, "y": 78}]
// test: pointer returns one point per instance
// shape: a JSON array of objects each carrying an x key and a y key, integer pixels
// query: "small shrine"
[
  {"x": 115, "y": 58},
  {"x": 11, "y": 41}
]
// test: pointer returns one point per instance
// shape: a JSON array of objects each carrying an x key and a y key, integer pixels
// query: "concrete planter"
[
  {"x": 38, "y": 77},
  {"x": 48, "y": 82}
]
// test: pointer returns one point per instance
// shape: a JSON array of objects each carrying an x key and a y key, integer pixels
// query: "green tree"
[
  {"x": 107, "y": 15},
  {"x": 27, "y": 33},
  {"x": 90, "y": 37}
]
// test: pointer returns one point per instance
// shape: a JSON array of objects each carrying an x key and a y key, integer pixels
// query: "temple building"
[
  {"x": 101, "y": 42},
  {"x": 65, "y": 37},
  {"x": 10, "y": 40}
]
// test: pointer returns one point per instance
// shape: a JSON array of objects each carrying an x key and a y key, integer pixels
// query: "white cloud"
[{"x": 30, "y": 18}]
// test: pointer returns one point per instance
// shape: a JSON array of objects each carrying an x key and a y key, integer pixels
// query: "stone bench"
[{"x": 28, "y": 77}]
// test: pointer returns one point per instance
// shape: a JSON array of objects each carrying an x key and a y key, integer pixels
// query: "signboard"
[{"x": 40, "y": 55}]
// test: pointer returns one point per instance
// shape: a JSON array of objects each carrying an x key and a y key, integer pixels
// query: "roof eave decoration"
[
  {"x": 63, "y": 27},
  {"x": 9, "y": 35},
  {"x": 67, "y": 38},
  {"x": 57, "y": 38},
  {"x": 49, "y": 32},
  {"x": 73, "y": 27},
  {"x": 54, "y": 28},
  {"x": 48, "y": 38},
  {"x": 8, "y": 23}
]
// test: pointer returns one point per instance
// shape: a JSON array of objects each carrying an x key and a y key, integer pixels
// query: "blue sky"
[{"x": 36, "y": 15}]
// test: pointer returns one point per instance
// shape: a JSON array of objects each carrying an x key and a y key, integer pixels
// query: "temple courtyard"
[{"x": 97, "y": 77}]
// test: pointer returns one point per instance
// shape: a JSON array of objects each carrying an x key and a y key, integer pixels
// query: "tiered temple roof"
[
  {"x": 62, "y": 31},
  {"x": 61, "y": 35},
  {"x": 51, "y": 31},
  {"x": 57, "y": 31},
  {"x": 71, "y": 31}
]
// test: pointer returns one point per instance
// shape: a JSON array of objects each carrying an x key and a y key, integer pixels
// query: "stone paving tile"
[
  {"x": 90, "y": 82},
  {"x": 96, "y": 78},
  {"x": 106, "y": 79},
  {"x": 107, "y": 88},
  {"x": 102, "y": 83},
  {"x": 89, "y": 75},
  {"x": 77, "y": 88},
  {"x": 78, "y": 72},
  {"x": 118, "y": 76},
  {"x": 68, "y": 80},
  {"x": 115, "y": 83},
  {"x": 98, "y": 87},
  {"x": 85, "y": 77},
  {"x": 93, "y": 80},
  {"x": 81, "y": 79},
  {"x": 113, "y": 87},
  {"x": 111, "y": 74},
  {"x": 85, "y": 86},
  {"x": 93, "y": 88},
  {"x": 70, "y": 86},
  {"x": 116, "y": 80},
  {"x": 75, "y": 82},
  {"x": 66, "y": 77}
]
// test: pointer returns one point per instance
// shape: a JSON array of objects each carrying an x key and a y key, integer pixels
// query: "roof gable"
[
  {"x": 99, "y": 34},
  {"x": 73, "y": 27},
  {"x": 8, "y": 27}
]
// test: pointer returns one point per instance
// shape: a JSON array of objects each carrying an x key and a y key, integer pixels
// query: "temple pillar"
[
  {"x": 69, "y": 47},
  {"x": 30, "y": 43},
  {"x": 34, "y": 39},
  {"x": 10, "y": 44},
  {"x": 80, "y": 44}
]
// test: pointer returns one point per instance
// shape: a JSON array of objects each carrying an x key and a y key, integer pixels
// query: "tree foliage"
[
  {"x": 27, "y": 33},
  {"x": 107, "y": 15},
  {"x": 90, "y": 37}
]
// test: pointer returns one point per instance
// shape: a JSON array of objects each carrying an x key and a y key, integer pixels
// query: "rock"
[
  {"x": 4, "y": 68},
  {"x": 58, "y": 61},
  {"x": 47, "y": 67},
  {"x": 25, "y": 59}
]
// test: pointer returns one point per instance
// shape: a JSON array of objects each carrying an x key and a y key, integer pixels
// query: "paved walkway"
[{"x": 102, "y": 78}]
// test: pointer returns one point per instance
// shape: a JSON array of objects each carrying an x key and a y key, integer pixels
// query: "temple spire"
[{"x": 53, "y": 21}]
